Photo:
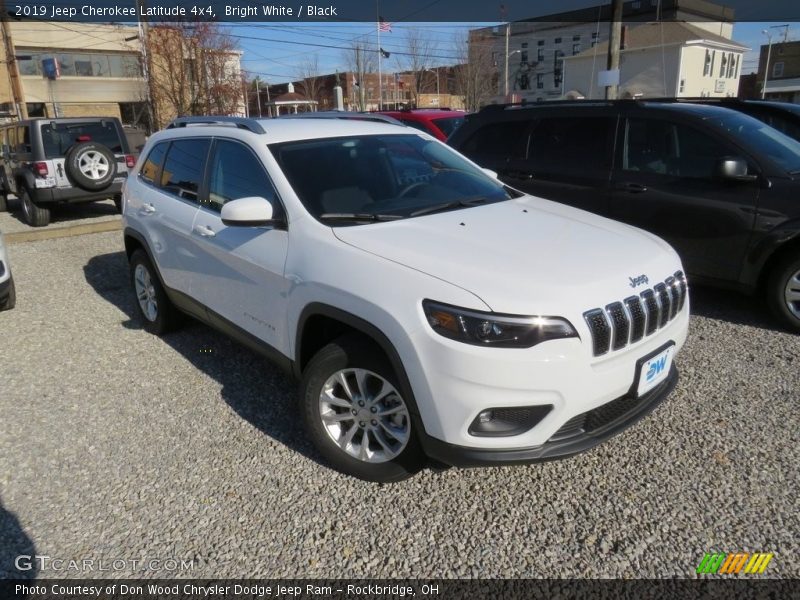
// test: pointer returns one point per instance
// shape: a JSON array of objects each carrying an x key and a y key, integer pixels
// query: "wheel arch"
[
  {"x": 320, "y": 324},
  {"x": 788, "y": 248}
]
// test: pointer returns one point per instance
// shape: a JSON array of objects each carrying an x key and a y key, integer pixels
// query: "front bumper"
[{"x": 579, "y": 434}]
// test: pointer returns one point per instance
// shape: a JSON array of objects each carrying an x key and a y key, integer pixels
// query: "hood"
[{"x": 524, "y": 256}]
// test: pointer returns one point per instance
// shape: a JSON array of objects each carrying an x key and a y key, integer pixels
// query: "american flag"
[{"x": 384, "y": 26}]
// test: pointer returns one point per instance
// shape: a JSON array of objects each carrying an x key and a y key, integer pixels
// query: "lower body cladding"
[{"x": 492, "y": 406}]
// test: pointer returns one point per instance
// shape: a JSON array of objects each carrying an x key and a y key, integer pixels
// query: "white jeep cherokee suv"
[{"x": 428, "y": 309}]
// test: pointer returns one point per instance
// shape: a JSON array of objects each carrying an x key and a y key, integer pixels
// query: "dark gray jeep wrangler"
[{"x": 62, "y": 160}]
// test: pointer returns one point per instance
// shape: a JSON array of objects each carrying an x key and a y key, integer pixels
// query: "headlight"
[{"x": 493, "y": 329}]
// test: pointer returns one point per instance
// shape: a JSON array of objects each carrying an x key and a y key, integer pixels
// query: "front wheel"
[
  {"x": 783, "y": 292},
  {"x": 356, "y": 413}
]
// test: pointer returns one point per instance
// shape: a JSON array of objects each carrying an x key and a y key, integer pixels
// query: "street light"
[
  {"x": 505, "y": 79},
  {"x": 766, "y": 68},
  {"x": 768, "y": 33},
  {"x": 438, "y": 96}
]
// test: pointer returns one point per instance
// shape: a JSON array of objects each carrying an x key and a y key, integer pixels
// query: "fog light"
[{"x": 498, "y": 422}]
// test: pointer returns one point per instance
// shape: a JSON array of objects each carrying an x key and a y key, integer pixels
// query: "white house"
[{"x": 661, "y": 59}]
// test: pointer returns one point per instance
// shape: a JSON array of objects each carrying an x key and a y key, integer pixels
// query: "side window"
[
  {"x": 24, "y": 140},
  {"x": 664, "y": 148},
  {"x": 152, "y": 164},
  {"x": 237, "y": 173},
  {"x": 184, "y": 166},
  {"x": 506, "y": 140},
  {"x": 569, "y": 144}
]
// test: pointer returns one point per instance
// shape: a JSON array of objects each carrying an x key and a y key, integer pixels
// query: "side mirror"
[
  {"x": 734, "y": 168},
  {"x": 489, "y": 172},
  {"x": 252, "y": 211}
]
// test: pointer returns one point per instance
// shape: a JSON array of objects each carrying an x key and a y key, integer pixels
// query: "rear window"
[
  {"x": 57, "y": 138},
  {"x": 449, "y": 124}
]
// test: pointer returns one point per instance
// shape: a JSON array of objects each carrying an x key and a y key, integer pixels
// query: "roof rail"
[
  {"x": 343, "y": 114},
  {"x": 240, "y": 122},
  {"x": 544, "y": 103}
]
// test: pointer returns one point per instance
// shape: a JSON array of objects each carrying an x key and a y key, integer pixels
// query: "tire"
[
  {"x": 90, "y": 166},
  {"x": 11, "y": 300},
  {"x": 157, "y": 313},
  {"x": 783, "y": 292},
  {"x": 392, "y": 452},
  {"x": 35, "y": 215}
]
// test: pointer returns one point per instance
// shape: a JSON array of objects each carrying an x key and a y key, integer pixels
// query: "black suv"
[
  {"x": 47, "y": 161},
  {"x": 720, "y": 186}
]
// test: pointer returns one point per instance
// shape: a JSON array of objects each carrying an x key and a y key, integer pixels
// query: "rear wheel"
[
  {"x": 157, "y": 313},
  {"x": 357, "y": 414},
  {"x": 783, "y": 292},
  {"x": 35, "y": 215}
]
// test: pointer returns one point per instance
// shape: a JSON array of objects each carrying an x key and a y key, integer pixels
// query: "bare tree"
[
  {"x": 420, "y": 50},
  {"x": 361, "y": 62},
  {"x": 476, "y": 74},
  {"x": 194, "y": 70},
  {"x": 308, "y": 74}
]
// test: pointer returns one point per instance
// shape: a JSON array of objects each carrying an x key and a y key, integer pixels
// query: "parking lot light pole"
[{"x": 766, "y": 66}]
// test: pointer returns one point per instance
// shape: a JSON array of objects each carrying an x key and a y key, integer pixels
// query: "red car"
[{"x": 438, "y": 122}]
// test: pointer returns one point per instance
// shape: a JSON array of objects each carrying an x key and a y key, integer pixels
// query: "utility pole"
[
  {"x": 613, "y": 46},
  {"x": 505, "y": 72},
  {"x": 258, "y": 98},
  {"x": 144, "y": 40},
  {"x": 13, "y": 68}
]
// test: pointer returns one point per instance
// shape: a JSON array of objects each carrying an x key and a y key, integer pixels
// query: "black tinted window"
[
  {"x": 568, "y": 143},
  {"x": 184, "y": 166},
  {"x": 665, "y": 148},
  {"x": 449, "y": 124},
  {"x": 57, "y": 138},
  {"x": 236, "y": 173},
  {"x": 508, "y": 139},
  {"x": 152, "y": 164}
]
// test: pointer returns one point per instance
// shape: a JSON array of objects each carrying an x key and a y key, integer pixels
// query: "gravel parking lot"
[{"x": 116, "y": 444}]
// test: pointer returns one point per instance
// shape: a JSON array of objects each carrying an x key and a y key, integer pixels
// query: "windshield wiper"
[
  {"x": 464, "y": 202},
  {"x": 359, "y": 217}
]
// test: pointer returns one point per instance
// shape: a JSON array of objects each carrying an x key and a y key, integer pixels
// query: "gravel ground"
[{"x": 116, "y": 444}]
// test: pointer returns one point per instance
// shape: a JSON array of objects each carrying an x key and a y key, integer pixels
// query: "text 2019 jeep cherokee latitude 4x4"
[{"x": 427, "y": 308}]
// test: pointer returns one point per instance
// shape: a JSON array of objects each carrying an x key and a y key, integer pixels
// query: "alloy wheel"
[
  {"x": 791, "y": 294},
  {"x": 364, "y": 415},
  {"x": 145, "y": 292}
]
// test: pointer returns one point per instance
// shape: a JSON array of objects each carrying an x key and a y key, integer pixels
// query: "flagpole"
[{"x": 380, "y": 79}]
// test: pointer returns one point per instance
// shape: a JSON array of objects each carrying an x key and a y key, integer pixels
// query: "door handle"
[
  {"x": 630, "y": 187},
  {"x": 204, "y": 231},
  {"x": 148, "y": 209}
]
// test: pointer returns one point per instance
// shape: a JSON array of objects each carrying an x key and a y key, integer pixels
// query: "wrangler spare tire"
[{"x": 91, "y": 166}]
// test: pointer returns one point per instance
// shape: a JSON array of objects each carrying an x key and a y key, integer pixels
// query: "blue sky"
[{"x": 276, "y": 51}]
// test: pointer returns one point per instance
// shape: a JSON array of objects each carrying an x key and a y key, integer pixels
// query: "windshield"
[
  {"x": 382, "y": 177},
  {"x": 449, "y": 124},
  {"x": 763, "y": 139}
]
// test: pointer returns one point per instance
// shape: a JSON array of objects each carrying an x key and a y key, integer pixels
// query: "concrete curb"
[{"x": 62, "y": 232}]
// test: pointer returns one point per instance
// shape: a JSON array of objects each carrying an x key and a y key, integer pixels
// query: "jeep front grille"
[{"x": 622, "y": 323}]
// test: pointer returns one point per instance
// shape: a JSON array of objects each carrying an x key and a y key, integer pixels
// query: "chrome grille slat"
[
  {"x": 620, "y": 324},
  {"x": 638, "y": 318}
]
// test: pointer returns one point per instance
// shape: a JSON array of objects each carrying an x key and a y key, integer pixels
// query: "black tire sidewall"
[
  {"x": 35, "y": 215},
  {"x": 348, "y": 352},
  {"x": 72, "y": 166},
  {"x": 776, "y": 288},
  {"x": 165, "y": 317}
]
